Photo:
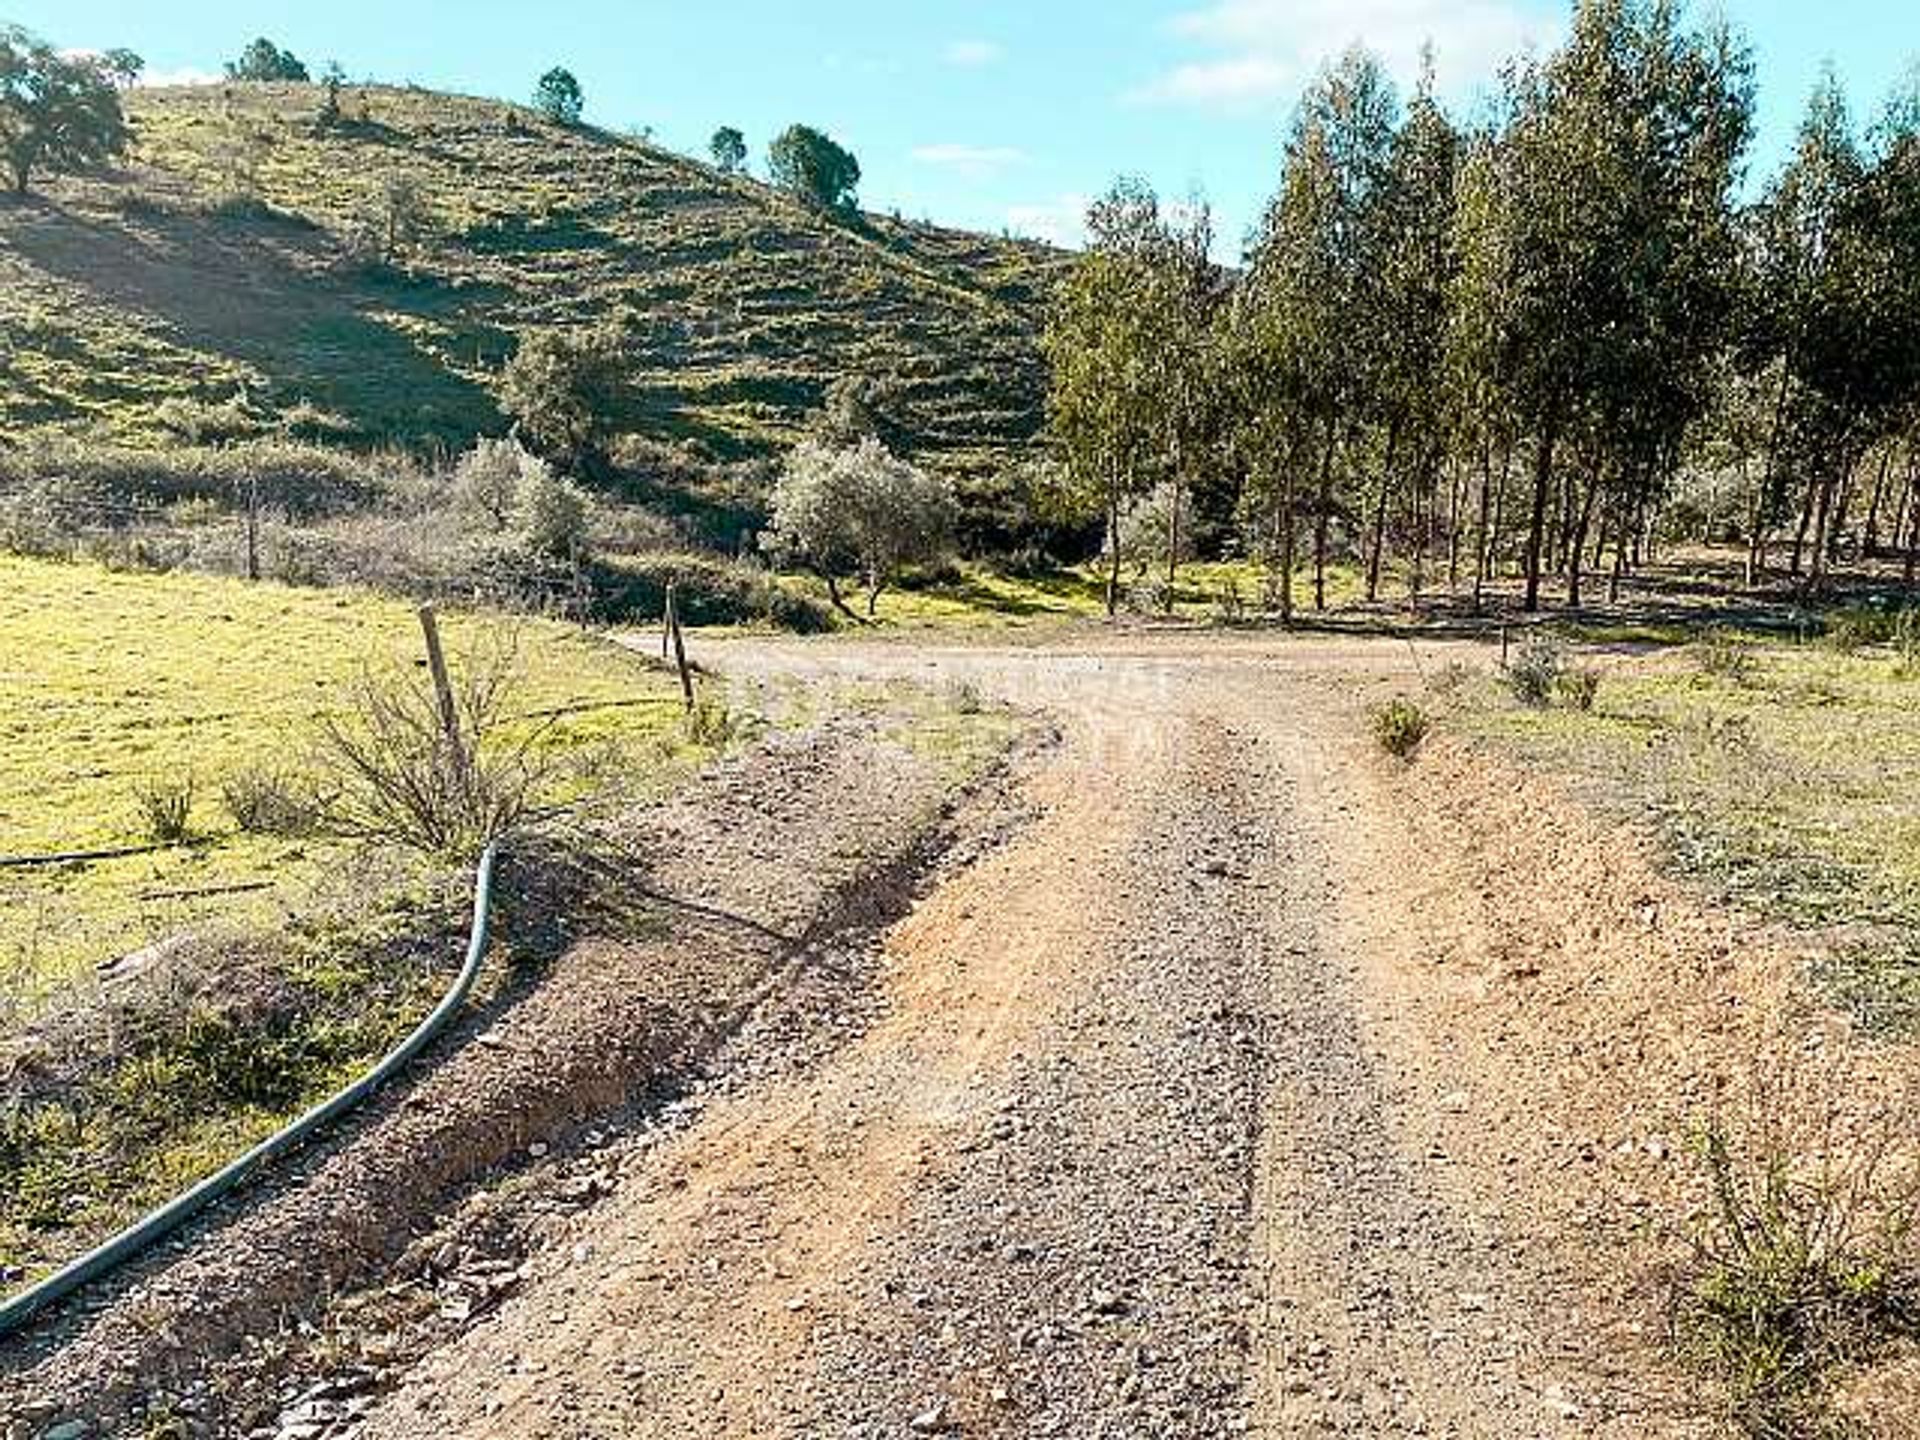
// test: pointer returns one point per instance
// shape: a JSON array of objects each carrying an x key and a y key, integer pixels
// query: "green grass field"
[
  {"x": 980, "y": 598},
  {"x": 114, "y": 681},
  {"x": 1785, "y": 776}
]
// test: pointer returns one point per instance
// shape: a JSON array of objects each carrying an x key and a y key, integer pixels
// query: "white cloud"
[
  {"x": 1061, "y": 221},
  {"x": 971, "y": 54},
  {"x": 976, "y": 162},
  {"x": 1267, "y": 50}
]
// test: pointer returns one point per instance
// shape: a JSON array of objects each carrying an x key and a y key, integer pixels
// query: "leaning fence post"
[
  {"x": 679, "y": 649},
  {"x": 443, "y": 690}
]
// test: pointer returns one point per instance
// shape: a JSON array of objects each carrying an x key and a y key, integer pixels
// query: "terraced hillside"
[{"x": 231, "y": 258}]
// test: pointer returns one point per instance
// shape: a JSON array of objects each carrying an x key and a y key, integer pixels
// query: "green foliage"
[
  {"x": 809, "y": 164},
  {"x": 1129, "y": 344},
  {"x": 263, "y": 60},
  {"x": 550, "y": 516},
  {"x": 858, "y": 510},
  {"x": 1399, "y": 726},
  {"x": 57, "y": 111},
  {"x": 166, "y": 808},
  {"x": 558, "y": 97},
  {"x": 729, "y": 150},
  {"x": 565, "y": 389},
  {"x": 1803, "y": 1263}
]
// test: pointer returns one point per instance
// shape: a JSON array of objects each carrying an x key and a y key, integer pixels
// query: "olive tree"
[
  {"x": 57, "y": 112},
  {"x": 564, "y": 389},
  {"x": 858, "y": 510}
]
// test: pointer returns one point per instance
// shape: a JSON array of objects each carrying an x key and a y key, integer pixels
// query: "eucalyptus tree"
[
  {"x": 1317, "y": 267},
  {"x": 1413, "y": 248},
  {"x": 1482, "y": 332},
  {"x": 1615, "y": 172},
  {"x": 1109, "y": 406}
]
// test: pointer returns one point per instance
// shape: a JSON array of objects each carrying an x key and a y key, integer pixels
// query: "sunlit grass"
[{"x": 109, "y": 681}]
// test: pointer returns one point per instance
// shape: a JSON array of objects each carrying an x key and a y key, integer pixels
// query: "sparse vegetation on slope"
[{"x": 225, "y": 262}]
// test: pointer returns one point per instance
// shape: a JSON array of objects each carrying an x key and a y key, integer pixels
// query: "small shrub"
[
  {"x": 1532, "y": 674},
  {"x": 1578, "y": 686},
  {"x": 1905, "y": 640},
  {"x": 272, "y": 802},
  {"x": 1229, "y": 605},
  {"x": 1722, "y": 655},
  {"x": 550, "y": 516},
  {"x": 1803, "y": 1260},
  {"x": 964, "y": 697},
  {"x": 166, "y": 808},
  {"x": 1399, "y": 726},
  {"x": 711, "y": 723}
]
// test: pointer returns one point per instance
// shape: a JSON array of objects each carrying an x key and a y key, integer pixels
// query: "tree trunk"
[
  {"x": 1113, "y": 547},
  {"x": 1800, "y": 532},
  {"x": 1287, "y": 526},
  {"x": 1536, "y": 526},
  {"x": 1913, "y": 523},
  {"x": 1456, "y": 498},
  {"x": 876, "y": 582},
  {"x": 1480, "y": 531},
  {"x": 1844, "y": 488},
  {"x": 1577, "y": 540},
  {"x": 839, "y": 601},
  {"x": 1173, "y": 535},
  {"x": 1763, "y": 502},
  {"x": 1817, "y": 568},
  {"x": 1321, "y": 516},
  {"x": 1380, "y": 511},
  {"x": 20, "y": 171},
  {"x": 1871, "y": 543}
]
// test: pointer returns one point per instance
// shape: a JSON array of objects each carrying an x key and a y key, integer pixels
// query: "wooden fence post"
[
  {"x": 679, "y": 650},
  {"x": 443, "y": 689}
]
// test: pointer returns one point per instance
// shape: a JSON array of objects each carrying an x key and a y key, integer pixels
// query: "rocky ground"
[{"x": 1223, "y": 1077}]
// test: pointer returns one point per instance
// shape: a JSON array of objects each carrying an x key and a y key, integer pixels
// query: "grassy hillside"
[{"x": 221, "y": 260}]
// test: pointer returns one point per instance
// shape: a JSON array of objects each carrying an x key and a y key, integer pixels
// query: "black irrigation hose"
[
  {"x": 78, "y": 857},
  {"x": 162, "y": 1222}
]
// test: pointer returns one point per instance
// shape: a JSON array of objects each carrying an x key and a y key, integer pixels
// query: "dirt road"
[{"x": 1154, "y": 1131}]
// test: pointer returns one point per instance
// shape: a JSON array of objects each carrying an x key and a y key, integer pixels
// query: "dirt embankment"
[{"x": 698, "y": 910}]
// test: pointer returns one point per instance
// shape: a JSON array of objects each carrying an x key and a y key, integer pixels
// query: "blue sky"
[{"x": 992, "y": 115}]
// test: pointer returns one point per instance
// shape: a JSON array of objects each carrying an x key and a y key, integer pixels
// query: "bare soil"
[{"x": 1227, "y": 1077}]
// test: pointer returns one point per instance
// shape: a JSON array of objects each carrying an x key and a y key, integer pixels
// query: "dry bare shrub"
[
  {"x": 1722, "y": 655},
  {"x": 404, "y": 777},
  {"x": 266, "y": 801},
  {"x": 1803, "y": 1258},
  {"x": 1578, "y": 686}
]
